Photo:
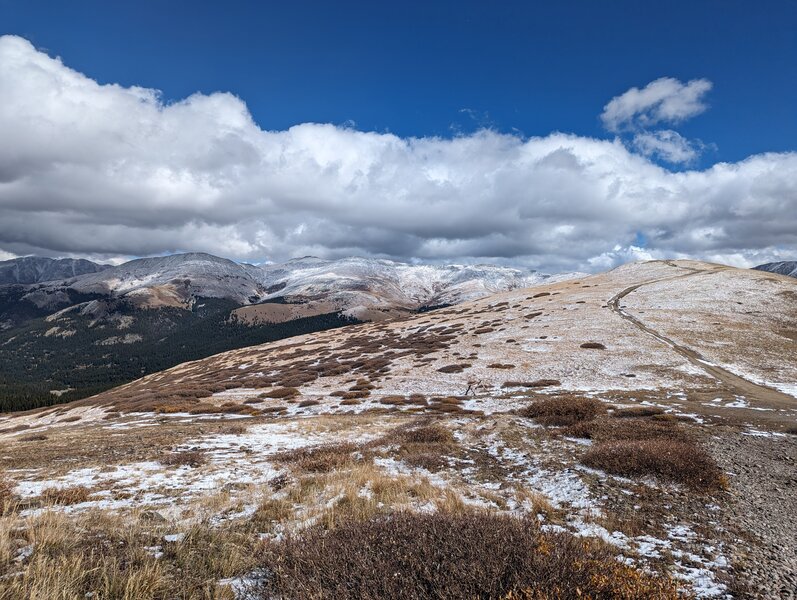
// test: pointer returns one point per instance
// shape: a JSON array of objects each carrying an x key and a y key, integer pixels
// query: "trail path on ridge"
[{"x": 762, "y": 395}]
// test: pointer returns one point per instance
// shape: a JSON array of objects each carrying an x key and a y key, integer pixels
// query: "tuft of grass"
[
  {"x": 66, "y": 496},
  {"x": 320, "y": 459},
  {"x": 448, "y": 556},
  {"x": 566, "y": 411}
]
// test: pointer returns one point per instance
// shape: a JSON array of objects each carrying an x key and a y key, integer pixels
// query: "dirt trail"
[{"x": 761, "y": 395}]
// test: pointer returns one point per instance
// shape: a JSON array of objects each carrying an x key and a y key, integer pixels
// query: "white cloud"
[
  {"x": 104, "y": 170},
  {"x": 665, "y": 100},
  {"x": 667, "y": 145}
]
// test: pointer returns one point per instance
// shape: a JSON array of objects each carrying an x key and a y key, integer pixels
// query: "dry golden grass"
[
  {"x": 320, "y": 459},
  {"x": 66, "y": 496},
  {"x": 104, "y": 556}
]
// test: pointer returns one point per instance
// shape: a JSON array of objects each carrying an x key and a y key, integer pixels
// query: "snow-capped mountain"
[
  {"x": 36, "y": 269},
  {"x": 348, "y": 284},
  {"x": 175, "y": 279},
  {"x": 786, "y": 267},
  {"x": 373, "y": 281}
]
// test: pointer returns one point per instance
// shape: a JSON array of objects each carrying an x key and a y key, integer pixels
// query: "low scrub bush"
[
  {"x": 190, "y": 458},
  {"x": 539, "y": 383},
  {"x": 629, "y": 428},
  {"x": 593, "y": 346},
  {"x": 638, "y": 411},
  {"x": 284, "y": 392},
  {"x": 667, "y": 459},
  {"x": 458, "y": 368},
  {"x": 447, "y": 556},
  {"x": 562, "y": 412}
]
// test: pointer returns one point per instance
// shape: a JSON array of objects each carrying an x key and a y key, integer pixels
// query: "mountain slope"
[
  {"x": 788, "y": 268},
  {"x": 540, "y": 336},
  {"x": 36, "y": 269}
]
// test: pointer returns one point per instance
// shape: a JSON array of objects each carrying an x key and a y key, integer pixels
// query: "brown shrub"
[
  {"x": 15, "y": 428},
  {"x": 454, "y": 368},
  {"x": 446, "y": 556},
  {"x": 66, "y": 496},
  {"x": 541, "y": 294},
  {"x": 416, "y": 399},
  {"x": 629, "y": 428},
  {"x": 672, "y": 460},
  {"x": 791, "y": 430},
  {"x": 394, "y": 400},
  {"x": 481, "y": 330},
  {"x": 350, "y": 402},
  {"x": 351, "y": 395},
  {"x": 532, "y": 384},
  {"x": 190, "y": 458},
  {"x": 72, "y": 419},
  {"x": 500, "y": 366},
  {"x": 306, "y": 403},
  {"x": 284, "y": 392},
  {"x": 33, "y": 437},
  {"x": 564, "y": 411},
  {"x": 638, "y": 411},
  {"x": 593, "y": 346}
]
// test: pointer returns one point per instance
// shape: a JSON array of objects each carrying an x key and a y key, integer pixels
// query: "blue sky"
[
  {"x": 438, "y": 68},
  {"x": 558, "y": 136}
]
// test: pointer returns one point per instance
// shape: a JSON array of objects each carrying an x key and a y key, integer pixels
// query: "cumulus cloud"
[
  {"x": 109, "y": 171},
  {"x": 665, "y": 100},
  {"x": 667, "y": 145}
]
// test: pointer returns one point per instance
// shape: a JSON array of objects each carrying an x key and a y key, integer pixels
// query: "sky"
[{"x": 559, "y": 136}]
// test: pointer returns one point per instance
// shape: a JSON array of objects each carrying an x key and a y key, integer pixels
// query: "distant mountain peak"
[
  {"x": 27, "y": 270},
  {"x": 784, "y": 267}
]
